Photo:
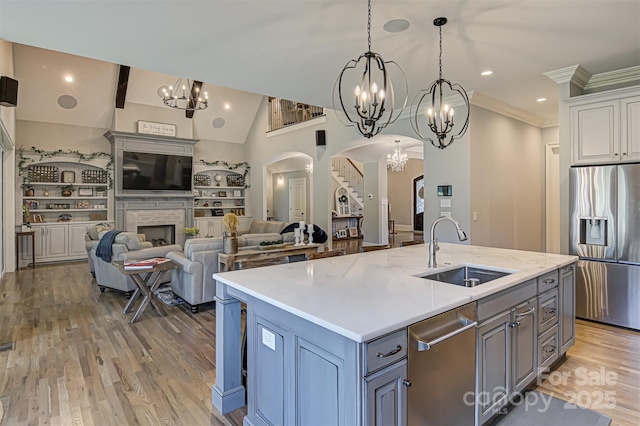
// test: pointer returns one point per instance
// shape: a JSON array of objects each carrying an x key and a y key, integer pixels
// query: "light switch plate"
[
  {"x": 268, "y": 339},
  {"x": 445, "y": 203}
]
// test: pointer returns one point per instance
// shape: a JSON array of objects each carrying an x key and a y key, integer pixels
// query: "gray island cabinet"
[{"x": 327, "y": 339}]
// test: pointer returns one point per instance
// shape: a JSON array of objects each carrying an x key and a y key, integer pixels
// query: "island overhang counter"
[{"x": 356, "y": 298}]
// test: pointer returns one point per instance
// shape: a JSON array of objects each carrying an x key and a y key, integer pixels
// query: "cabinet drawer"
[
  {"x": 495, "y": 304},
  {"x": 567, "y": 270},
  {"x": 547, "y": 310},
  {"x": 548, "y": 347},
  {"x": 385, "y": 350},
  {"x": 547, "y": 281}
]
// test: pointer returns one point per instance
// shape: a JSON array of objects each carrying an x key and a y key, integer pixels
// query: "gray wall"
[
  {"x": 400, "y": 193},
  {"x": 281, "y": 194},
  {"x": 506, "y": 182}
]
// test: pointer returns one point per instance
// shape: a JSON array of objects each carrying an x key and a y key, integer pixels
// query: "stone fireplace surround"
[{"x": 131, "y": 213}]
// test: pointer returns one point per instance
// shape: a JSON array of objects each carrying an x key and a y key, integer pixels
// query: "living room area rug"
[{"x": 537, "y": 408}]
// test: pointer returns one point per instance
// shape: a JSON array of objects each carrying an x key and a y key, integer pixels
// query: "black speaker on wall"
[
  {"x": 8, "y": 91},
  {"x": 321, "y": 138}
]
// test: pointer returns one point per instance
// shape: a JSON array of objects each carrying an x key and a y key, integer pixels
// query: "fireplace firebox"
[{"x": 159, "y": 235}]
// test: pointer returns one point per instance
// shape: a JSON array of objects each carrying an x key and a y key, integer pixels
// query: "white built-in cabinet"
[
  {"x": 605, "y": 127},
  {"x": 59, "y": 219}
]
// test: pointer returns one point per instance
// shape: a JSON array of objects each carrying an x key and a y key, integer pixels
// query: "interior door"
[
  {"x": 418, "y": 203},
  {"x": 297, "y": 199}
]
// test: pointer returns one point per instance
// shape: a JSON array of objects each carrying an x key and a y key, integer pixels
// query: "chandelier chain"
[
  {"x": 369, "y": 25},
  {"x": 440, "y": 56}
]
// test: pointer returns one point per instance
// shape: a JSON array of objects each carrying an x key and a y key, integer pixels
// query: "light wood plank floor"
[{"x": 77, "y": 360}]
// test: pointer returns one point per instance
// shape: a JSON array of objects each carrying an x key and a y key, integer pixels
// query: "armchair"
[
  {"x": 91, "y": 239},
  {"x": 126, "y": 246}
]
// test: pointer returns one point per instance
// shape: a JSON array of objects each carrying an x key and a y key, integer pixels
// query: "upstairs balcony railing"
[{"x": 285, "y": 113}]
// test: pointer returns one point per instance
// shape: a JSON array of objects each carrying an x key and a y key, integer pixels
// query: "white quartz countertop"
[{"x": 363, "y": 296}]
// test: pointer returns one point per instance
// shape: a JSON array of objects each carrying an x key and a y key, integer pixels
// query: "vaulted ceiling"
[{"x": 295, "y": 49}]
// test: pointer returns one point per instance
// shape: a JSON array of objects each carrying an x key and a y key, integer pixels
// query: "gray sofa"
[
  {"x": 193, "y": 280},
  {"x": 126, "y": 246},
  {"x": 263, "y": 227}
]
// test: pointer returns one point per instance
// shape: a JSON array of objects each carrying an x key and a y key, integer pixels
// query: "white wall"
[{"x": 7, "y": 121}]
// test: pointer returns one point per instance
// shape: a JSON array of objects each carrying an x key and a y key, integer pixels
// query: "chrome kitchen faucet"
[{"x": 433, "y": 241}]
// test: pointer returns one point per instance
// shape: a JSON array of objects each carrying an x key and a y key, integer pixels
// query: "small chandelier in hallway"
[
  {"x": 397, "y": 160},
  {"x": 431, "y": 109},
  {"x": 185, "y": 95}
]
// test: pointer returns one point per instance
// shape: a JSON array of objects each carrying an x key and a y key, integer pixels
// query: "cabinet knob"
[
  {"x": 615, "y": 154},
  {"x": 407, "y": 383},
  {"x": 624, "y": 153},
  {"x": 514, "y": 324}
]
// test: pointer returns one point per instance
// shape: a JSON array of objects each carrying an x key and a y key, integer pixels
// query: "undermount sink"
[{"x": 467, "y": 276}]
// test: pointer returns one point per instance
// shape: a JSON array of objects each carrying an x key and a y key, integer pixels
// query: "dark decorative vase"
[{"x": 67, "y": 192}]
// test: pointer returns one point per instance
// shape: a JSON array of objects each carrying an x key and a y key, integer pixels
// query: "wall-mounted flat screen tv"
[{"x": 156, "y": 172}]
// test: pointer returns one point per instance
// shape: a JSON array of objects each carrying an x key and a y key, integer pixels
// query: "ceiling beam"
[
  {"x": 123, "y": 80},
  {"x": 195, "y": 93}
]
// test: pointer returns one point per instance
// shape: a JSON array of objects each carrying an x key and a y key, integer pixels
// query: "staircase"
[{"x": 349, "y": 177}]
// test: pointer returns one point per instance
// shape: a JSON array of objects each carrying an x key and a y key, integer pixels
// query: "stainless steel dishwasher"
[{"x": 442, "y": 369}]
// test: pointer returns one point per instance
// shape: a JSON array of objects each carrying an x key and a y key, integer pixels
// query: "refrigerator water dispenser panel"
[{"x": 593, "y": 231}]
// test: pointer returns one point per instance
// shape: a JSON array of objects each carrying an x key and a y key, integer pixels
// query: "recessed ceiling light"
[
  {"x": 68, "y": 79},
  {"x": 396, "y": 25},
  {"x": 227, "y": 106},
  {"x": 541, "y": 99},
  {"x": 487, "y": 72}
]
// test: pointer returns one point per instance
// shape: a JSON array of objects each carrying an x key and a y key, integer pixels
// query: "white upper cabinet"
[
  {"x": 630, "y": 128},
  {"x": 605, "y": 127}
]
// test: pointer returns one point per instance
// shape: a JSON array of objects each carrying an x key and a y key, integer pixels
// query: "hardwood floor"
[
  {"x": 601, "y": 372},
  {"x": 76, "y": 359}
]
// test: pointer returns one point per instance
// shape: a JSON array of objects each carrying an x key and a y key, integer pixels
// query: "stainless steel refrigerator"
[{"x": 605, "y": 232}]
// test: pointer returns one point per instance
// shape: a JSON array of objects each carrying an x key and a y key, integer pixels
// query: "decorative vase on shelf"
[
  {"x": 29, "y": 192},
  {"x": 229, "y": 242},
  {"x": 67, "y": 192}
]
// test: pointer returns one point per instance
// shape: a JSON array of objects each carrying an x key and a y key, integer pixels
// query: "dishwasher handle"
[{"x": 425, "y": 346}]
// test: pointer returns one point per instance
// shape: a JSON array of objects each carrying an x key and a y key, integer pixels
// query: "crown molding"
[
  {"x": 483, "y": 101},
  {"x": 576, "y": 74},
  {"x": 626, "y": 76}
]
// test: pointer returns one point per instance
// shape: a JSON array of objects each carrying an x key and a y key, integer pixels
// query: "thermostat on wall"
[{"x": 445, "y": 191}]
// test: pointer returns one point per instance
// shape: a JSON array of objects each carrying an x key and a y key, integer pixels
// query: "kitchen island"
[{"x": 311, "y": 326}]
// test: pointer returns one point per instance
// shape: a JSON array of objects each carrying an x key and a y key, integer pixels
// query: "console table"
[
  {"x": 20, "y": 234},
  {"x": 228, "y": 261}
]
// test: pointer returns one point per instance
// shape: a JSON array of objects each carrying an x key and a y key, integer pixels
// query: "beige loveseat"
[{"x": 193, "y": 280}]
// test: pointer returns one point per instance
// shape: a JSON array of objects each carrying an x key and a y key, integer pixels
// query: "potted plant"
[
  {"x": 67, "y": 190},
  {"x": 191, "y": 232},
  {"x": 230, "y": 236},
  {"x": 26, "y": 215}
]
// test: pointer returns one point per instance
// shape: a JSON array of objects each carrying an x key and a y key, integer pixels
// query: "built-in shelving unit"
[
  {"x": 216, "y": 192},
  {"x": 64, "y": 196},
  {"x": 347, "y": 227}
]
